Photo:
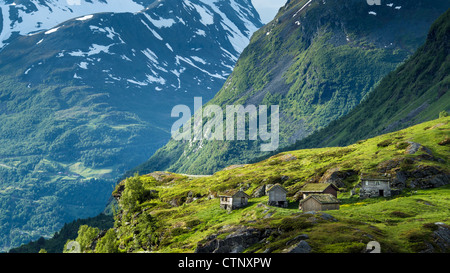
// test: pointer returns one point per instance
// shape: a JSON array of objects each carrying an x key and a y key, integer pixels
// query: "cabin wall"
[
  {"x": 330, "y": 207},
  {"x": 311, "y": 205},
  {"x": 374, "y": 188},
  {"x": 277, "y": 196},
  {"x": 226, "y": 202},
  {"x": 239, "y": 202},
  {"x": 331, "y": 191}
]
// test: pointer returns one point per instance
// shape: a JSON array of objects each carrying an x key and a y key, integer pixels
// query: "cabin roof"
[
  {"x": 232, "y": 193},
  {"x": 277, "y": 186},
  {"x": 317, "y": 187},
  {"x": 378, "y": 177},
  {"x": 375, "y": 179},
  {"x": 322, "y": 198}
]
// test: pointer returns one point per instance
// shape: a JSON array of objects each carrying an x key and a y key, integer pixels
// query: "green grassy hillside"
[{"x": 167, "y": 212}]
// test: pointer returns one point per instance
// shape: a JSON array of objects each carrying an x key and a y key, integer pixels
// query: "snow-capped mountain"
[
  {"x": 153, "y": 48},
  {"x": 90, "y": 96},
  {"x": 27, "y": 16}
]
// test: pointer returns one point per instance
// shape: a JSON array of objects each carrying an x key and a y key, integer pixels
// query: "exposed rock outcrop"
[
  {"x": 288, "y": 157},
  {"x": 426, "y": 177},
  {"x": 336, "y": 177},
  {"x": 301, "y": 247},
  {"x": 440, "y": 240},
  {"x": 237, "y": 241}
]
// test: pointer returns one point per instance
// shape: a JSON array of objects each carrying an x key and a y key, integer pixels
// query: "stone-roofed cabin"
[
  {"x": 277, "y": 196},
  {"x": 233, "y": 199},
  {"x": 375, "y": 187},
  {"x": 319, "y": 202},
  {"x": 319, "y": 188}
]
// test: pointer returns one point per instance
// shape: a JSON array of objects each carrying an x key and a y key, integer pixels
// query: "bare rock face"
[
  {"x": 236, "y": 242},
  {"x": 423, "y": 177},
  {"x": 427, "y": 177},
  {"x": 336, "y": 177},
  {"x": 288, "y": 157},
  {"x": 413, "y": 148},
  {"x": 301, "y": 247},
  {"x": 442, "y": 237},
  {"x": 440, "y": 240},
  {"x": 259, "y": 192}
]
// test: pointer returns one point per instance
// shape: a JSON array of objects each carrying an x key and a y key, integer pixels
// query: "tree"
[
  {"x": 133, "y": 194},
  {"x": 108, "y": 244},
  {"x": 86, "y": 236}
]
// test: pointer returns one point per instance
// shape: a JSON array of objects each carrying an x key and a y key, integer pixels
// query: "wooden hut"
[
  {"x": 319, "y": 202},
  {"x": 277, "y": 196},
  {"x": 233, "y": 199},
  {"x": 319, "y": 188}
]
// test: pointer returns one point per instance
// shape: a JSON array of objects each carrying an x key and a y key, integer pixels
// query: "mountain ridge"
[{"x": 316, "y": 64}]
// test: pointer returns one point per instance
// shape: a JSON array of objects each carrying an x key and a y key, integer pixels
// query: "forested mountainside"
[{"x": 85, "y": 100}]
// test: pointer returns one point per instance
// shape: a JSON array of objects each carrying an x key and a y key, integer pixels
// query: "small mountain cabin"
[
  {"x": 319, "y": 202},
  {"x": 319, "y": 188},
  {"x": 233, "y": 200},
  {"x": 277, "y": 196},
  {"x": 374, "y": 187}
]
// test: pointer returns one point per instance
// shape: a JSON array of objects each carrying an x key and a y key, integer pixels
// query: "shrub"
[
  {"x": 193, "y": 223},
  {"x": 86, "y": 236},
  {"x": 443, "y": 114},
  {"x": 290, "y": 224},
  {"x": 407, "y": 164},
  {"x": 133, "y": 194},
  {"x": 446, "y": 141},
  {"x": 384, "y": 143},
  {"x": 400, "y": 214},
  {"x": 402, "y": 145},
  {"x": 177, "y": 231},
  {"x": 431, "y": 226}
]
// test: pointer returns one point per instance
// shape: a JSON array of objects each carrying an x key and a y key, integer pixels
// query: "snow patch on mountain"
[
  {"x": 37, "y": 15},
  {"x": 161, "y": 22},
  {"x": 93, "y": 50},
  {"x": 152, "y": 31}
]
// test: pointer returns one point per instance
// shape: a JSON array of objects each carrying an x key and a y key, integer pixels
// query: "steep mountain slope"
[
  {"x": 415, "y": 92},
  {"x": 168, "y": 212},
  {"x": 317, "y": 60},
  {"x": 87, "y": 99}
]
